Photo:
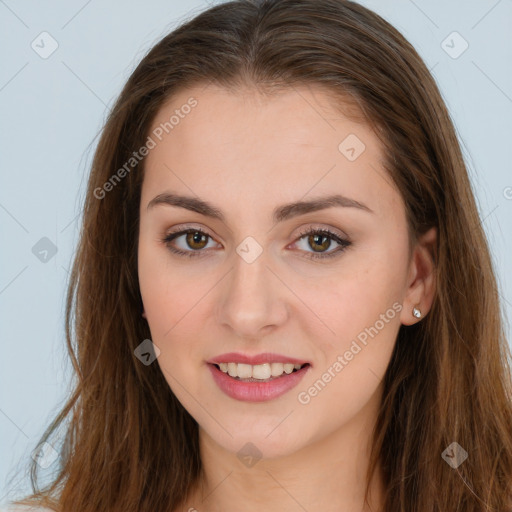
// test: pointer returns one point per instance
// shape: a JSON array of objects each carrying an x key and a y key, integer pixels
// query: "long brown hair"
[{"x": 130, "y": 445}]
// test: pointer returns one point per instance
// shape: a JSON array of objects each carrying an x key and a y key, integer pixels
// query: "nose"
[{"x": 252, "y": 301}]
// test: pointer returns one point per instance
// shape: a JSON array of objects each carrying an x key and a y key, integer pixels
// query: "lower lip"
[{"x": 256, "y": 391}]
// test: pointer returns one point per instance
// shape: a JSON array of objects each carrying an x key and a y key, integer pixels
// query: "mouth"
[
  {"x": 266, "y": 372},
  {"x": 258, "y": 383}
]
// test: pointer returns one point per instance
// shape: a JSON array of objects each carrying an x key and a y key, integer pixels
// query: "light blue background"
[{"x": 52, "y": 110}]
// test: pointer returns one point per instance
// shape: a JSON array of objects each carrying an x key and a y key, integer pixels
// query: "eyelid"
[
  {"x": 341, "y": 239},
  {"x": 320, "y": 227},
  {"x": 181, "y": 230},
  {"x": 304, "y": 230}
]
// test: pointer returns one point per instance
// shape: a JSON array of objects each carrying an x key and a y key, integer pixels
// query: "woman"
[{"x": 283, "y": 298}]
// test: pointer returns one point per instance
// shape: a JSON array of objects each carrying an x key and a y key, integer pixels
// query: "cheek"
[
  {"x": 169, "y": 291},
  {"x": 174, "y": 303},
  {"x": 362, "y": 309},
  {"x": 352, "y": 298},
  {"x": 351, "y": 363}
]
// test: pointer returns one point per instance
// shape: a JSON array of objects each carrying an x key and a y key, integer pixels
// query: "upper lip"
[{"x": 266, "y": 357}]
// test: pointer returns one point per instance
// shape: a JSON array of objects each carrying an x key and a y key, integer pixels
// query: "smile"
[
  {"x": 260, "y": 372},
  {"x": 257, "y": 383}
]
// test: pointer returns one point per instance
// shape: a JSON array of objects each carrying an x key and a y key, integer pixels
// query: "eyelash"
[{"x": 344, "y": 244}]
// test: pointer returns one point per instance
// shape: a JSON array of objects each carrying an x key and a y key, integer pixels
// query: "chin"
[{"x": 259, "y": 444}]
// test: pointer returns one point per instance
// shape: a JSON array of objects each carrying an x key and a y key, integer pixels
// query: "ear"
[{"x": 421, "y": 281}]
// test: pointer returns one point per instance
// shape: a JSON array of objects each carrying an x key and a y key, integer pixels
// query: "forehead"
[
  {"x": 281, "y": 146},
  {"x": 295, "y": 115}
]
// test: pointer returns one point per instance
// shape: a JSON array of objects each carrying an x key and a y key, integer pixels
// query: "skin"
[{"x": 246, "y": 154}]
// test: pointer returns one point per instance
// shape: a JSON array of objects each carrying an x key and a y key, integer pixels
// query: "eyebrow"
[{"x": 280, "y": 213}]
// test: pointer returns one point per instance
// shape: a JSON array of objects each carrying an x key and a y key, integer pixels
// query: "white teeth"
[
  {"x": 288, "y": 367},
  {"x": 277, "y": 369},
  {"x": 259, "y": 371},
  {"x": 232, "y": 369},
  {"x": 244, "y": 371}
]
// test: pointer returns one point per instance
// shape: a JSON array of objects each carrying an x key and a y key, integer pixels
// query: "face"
[{"x": 314, "y": 284}]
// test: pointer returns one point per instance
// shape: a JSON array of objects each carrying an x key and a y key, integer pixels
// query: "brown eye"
[
  {"x": 319, "y": 242},
  {"x": 193, "y": 243},
  {"x": 196, "y": 239}
]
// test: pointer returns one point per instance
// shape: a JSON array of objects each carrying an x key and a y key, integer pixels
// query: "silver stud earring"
[{"x": 416, "y": 312}]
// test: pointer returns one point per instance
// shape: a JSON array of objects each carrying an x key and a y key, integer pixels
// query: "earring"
[{"x": 416, "y": 312}]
